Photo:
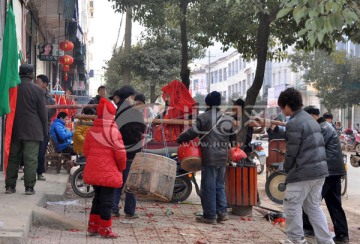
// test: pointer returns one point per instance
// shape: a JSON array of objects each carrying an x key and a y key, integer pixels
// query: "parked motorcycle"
[
  {"x": 183, "y": 183},
  {"x": 350, "y": 141},
  {"x": 77, "y": 181},
  {"x": 182, "y": 188},
  {"x": 258, "y": 156}
]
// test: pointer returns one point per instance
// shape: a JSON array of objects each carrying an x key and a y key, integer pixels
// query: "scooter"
[
  {"x": 182, "y": 188},
  {"x": 77, "y": 181},
  {"x": 350, "y": 141},
  {"x": 258, "y": 156},
  {"x": 183, "y": 183}
]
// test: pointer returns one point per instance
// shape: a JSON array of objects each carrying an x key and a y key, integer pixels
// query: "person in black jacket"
[
  {"x": 132, "y": 127},
  {"x": 30, "y": 127},
  {"x": 275, "y": 131},
  {"x": 101, "y": 93},
  {"x": 306, "y": 168},
  {"x": 216, "y": 131},
  {"x": 331, "y": 190}
]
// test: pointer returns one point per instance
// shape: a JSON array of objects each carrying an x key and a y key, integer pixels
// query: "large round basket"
[{"x": 152, "y": 176}]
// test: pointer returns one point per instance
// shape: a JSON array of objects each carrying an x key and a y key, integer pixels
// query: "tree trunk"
[
  {"x": 185, "y": 71},
  {"x": 127, "y": 46},
  {"x": 252, "y": 93},
  {"x": 152, "y": 93}
]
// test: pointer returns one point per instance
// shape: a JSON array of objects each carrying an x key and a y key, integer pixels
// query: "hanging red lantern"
[
  {"x": 66, "y": 45},
  {"x": 66, "y": 60},
  {"x": 66, "y": 68}
]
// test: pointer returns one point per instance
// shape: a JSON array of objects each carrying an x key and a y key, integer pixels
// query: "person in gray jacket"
[
  {"x": 30, "y": 127},
  {"x": 306, "y": 168},
  {"x": 331, "y": 190},
  {"x": 216, "y": 132}
]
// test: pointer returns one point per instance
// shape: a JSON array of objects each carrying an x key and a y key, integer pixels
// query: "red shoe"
[
  {"x": 93, "y": 226},
  {"x": 105, "y": 229}
]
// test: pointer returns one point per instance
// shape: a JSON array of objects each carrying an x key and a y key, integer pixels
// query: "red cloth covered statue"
[{"x": 180, "y": 105}]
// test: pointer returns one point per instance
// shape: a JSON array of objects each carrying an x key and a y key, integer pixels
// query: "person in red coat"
[{"x": 105, "y": 161}]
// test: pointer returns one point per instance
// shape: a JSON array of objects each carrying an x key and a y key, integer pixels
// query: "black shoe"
[
  {"x": 309, "y": 233},
  {"x": 29, "y": 191},
  {"x": 10, "y": 189},
  {"x": 341, "y": 239},
  {"x": 222, "y": 217},
  {"x": 201, "y": 219},
  {"x": 41, "y": 177},
  {"x": 115, "y": 214}
]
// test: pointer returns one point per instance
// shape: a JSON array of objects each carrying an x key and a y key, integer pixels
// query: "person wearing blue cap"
[{"x": 216, "y": 131}]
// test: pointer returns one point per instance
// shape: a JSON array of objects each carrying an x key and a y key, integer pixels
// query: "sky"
[{"x": 104, "y": 27}]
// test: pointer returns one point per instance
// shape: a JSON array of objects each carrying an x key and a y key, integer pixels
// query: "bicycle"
[{"x": 344, "y": 178}]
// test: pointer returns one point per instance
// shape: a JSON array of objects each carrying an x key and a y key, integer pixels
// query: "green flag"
[{"x": 9, "y": 73}]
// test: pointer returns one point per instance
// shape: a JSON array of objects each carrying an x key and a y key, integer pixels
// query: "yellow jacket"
[{"x": 79, "y": 138}]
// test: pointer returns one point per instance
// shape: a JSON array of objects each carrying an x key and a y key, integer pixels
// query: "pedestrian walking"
[
  {"x": 30, "y": 127},
  {"x": 329, "y": 118},
  {"x": 331, "y": 190},
  {"x": 306, "y": 168},
  {"x": 130, "y": 122},
  {"x": 216, "y": 132},
  {"x": 105, "y": 162}
]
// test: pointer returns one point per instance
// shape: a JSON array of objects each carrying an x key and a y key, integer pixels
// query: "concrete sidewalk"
[
  {"x": 19, "y": 211},
  {"x": 49, "y": 216}
]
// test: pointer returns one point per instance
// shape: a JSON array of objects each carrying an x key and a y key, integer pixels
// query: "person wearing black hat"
[
  {"x": 132, "y": 127},
  {"x": 331, "y": 190},
  {"x": 216, "y": 132},
  {"x": 30, "y": 127}
]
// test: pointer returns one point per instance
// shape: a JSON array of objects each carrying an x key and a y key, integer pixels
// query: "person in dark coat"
[
  {"x": 30, "y": 127},
  {"x": 105, "y": 162},
  {"x": 331, "y": 190},
  {"x": 216, "y": 131},
  {"x": 239, "y": 109},
  {"x": 306, "y": 168},
  {"x": 101, "y": 93},
  {"x": 43, "y": 81},
  {"x": 132, "y": 127},
  {"x": 275, "y": 131}
]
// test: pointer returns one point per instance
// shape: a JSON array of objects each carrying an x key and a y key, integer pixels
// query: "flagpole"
[{"x": 2, "y": 142}]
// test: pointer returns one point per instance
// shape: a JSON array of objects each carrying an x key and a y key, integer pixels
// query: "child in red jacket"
[{"x": 105, "y": 161}]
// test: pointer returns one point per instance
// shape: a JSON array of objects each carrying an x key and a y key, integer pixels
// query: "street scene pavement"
[{"x": 158, "y": 223}]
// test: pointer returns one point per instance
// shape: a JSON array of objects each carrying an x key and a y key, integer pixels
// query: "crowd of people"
[{"x": 313, "y": 159}]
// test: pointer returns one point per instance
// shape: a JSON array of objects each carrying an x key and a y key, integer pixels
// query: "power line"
[{"x": 118, "y": 35}]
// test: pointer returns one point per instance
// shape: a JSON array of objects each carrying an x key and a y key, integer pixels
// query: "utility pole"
[{"x": 127, "y": 46}]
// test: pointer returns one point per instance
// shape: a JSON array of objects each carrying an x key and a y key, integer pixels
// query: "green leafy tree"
[
  {"x": 322, "y": 22},
  {"x": 155, "y": 61},
  {"x": 156, "y": 14},
  {"x": 335, "y": 76}
]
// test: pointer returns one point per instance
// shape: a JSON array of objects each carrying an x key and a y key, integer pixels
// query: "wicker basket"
[{"x": 152, "y": 176}]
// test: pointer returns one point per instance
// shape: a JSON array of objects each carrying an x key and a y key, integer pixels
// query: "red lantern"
[
  {"x": 66, "y": 45},
  {"x": 66, "y": 68},
  {"x": 66, "y": 60}
]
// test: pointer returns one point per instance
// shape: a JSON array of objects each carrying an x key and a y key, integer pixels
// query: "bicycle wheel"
[{"x": 344, "y": 181}]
